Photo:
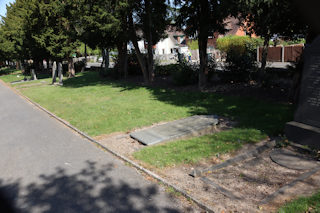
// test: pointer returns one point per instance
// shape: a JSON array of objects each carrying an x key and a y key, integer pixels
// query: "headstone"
[
  {"x": 191, "y": 126},
  {"x": 60, "y": 74},
  {"x": 54, "y": 72},
  {"x": 33, "y": 75},
  {"x": 305, "y": 129}
]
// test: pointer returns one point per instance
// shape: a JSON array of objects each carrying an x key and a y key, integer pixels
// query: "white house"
[{"x": 175, "y": 42}]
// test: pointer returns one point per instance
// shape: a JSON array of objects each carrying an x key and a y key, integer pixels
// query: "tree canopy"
[{"x": 53, "y": 29}]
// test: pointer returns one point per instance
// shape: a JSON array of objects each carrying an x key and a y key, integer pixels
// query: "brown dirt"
[{"x": 251, "y": 180}]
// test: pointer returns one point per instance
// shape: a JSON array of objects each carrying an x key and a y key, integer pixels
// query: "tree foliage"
[
  {"x": 267, "y": 18},
  {"x": 148, "y": 20},
  {"x": 200, "y": 19}
]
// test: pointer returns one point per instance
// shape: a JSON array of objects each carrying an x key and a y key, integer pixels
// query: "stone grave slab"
[
  {"x": 293, "y": 160},
  {"x": 191, "y": 126}
]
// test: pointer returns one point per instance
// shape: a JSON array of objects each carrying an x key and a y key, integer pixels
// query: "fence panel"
[
  {"x": 283, "y": 54},
  {"x": 292, "y": 53},
  {"x": 274, "y": 54}
]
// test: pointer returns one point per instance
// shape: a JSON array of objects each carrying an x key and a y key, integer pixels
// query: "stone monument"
[
  {"x": 57, "y": 66},
  {"x": 305, "y": 129}
]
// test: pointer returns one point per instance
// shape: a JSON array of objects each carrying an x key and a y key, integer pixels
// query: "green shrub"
[
  {"x": 79, "y": 65},
  {"x": 109, "y": 72},
  {"x": 165, "y": 70},
  {"x": 241, "y": 54},
  {"x": 185, "y": 74},
  {"x": 193, "y": 44},
  {"x": 237, "y": 43},
  {"x": 133, "y": 65}
]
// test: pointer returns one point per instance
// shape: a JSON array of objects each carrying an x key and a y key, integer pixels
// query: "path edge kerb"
[{"x": 123, "y": 158}]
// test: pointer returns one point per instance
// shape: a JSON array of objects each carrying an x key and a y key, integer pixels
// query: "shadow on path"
[{"x": 90, "y": 190}]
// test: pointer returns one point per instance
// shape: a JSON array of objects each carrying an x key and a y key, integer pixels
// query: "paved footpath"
[{"x": 46, "y": 167}]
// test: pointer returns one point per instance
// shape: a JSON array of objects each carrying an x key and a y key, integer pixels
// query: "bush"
[
  {"x": 237, "y": 43},
  {"x": 109, "y": 72},
  {"x": 241, "y": 55},
  {"x": 79, "y": 65},
  {"x": 185, "y": 74},
  {"x": 133, "y": 65},
  {"x": 193, "y": 44},
  {"x": 166, "y": 70}
]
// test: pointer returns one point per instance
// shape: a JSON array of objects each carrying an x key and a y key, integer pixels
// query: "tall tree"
[
  {"x": 103, "y": 24},
  {"x": 201, "y": 18},
  {"x": 38, "y": 29},
  {"x": 58, "y": 35},
  {"x": 147, "y": 20},
  {"x": 13, "y": 35}
]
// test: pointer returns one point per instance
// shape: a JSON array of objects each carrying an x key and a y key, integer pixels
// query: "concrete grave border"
[{"x": 252, "y": 153}]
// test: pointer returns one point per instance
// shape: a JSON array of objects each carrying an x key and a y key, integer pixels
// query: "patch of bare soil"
[{"x": 235, "y": 188}]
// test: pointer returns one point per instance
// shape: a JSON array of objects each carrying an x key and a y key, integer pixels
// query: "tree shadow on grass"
[
  {"x": 248, "y": 112},
  {"x": 90, "y": 190}
]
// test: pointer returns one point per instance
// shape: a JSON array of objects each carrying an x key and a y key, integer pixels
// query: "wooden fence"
[{"x": 282, "y": 53}]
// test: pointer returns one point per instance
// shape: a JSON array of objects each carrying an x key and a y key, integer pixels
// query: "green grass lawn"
[
  {"x": 195, "y": 149},
  {"x": 10, "y": 75},
  {"x": 303, "y": 204},
  {"x": 99, "y": 106}
]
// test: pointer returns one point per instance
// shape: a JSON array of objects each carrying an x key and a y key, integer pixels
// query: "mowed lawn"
[
  {"x": 98, "y": 106},
  {"x": 9, "y": 75}
]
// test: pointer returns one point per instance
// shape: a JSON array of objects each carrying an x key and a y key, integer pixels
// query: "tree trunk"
[
  {"x": 85, "y": 53},
  {"x": 149, "y": 40},
  {"x": 140, "y": 58},
  {"x": 106, "y": 60},
  {"x": 18, "y": 65},
  {"x": 203, "y": 10},
  {"x": 72, "y": 72},
  {"x": 125, "y": 66},
  {"x": 203, "y": 72},
  {"x": 85, "y": 58},
  {"x": 36, "y": 65},
  {"x": 54, "y": 72},
  {"x": 264, "y": 58},
  {"x": 103, "y": 58},
  {"x": 123, "y": 59}
]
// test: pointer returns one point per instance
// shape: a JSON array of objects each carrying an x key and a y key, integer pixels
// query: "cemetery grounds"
[{"x": 109, "y": 110}]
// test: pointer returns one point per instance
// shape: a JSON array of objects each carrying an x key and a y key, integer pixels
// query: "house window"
[
  {"x": 171, "y": 50},
  {"x": 163, "y": 51}
]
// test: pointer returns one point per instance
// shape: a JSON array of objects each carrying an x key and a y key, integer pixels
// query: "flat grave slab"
[{"x": 191, "y": 126}]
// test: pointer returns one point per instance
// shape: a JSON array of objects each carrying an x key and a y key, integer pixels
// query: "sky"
[{"x": 3, "y": 8}]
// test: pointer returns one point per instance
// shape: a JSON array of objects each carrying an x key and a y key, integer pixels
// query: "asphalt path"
[{"x": 46, "y": 167}]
